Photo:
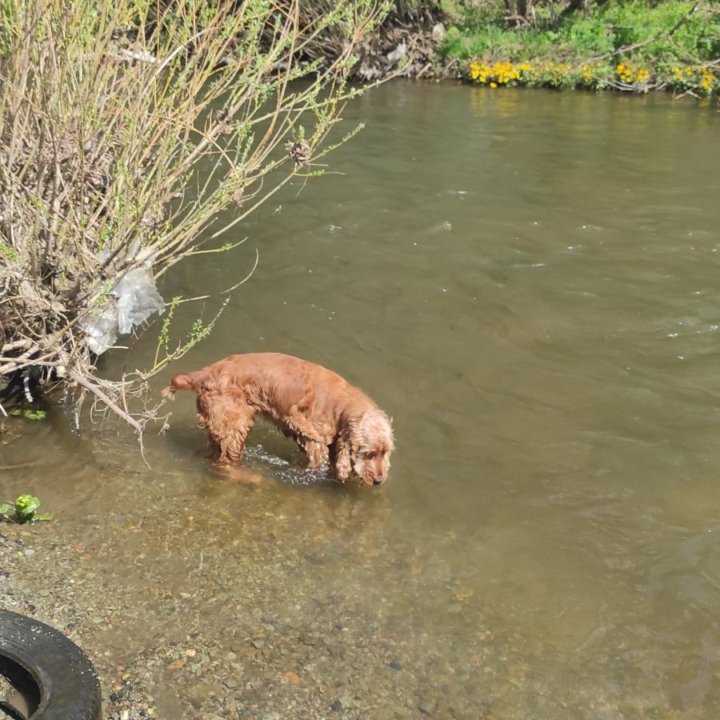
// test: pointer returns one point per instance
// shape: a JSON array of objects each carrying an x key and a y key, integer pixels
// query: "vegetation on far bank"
[{"x": 632, "y": 46}]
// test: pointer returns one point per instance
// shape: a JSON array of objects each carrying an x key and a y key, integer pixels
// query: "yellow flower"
[{"x": 493, "y": 85}]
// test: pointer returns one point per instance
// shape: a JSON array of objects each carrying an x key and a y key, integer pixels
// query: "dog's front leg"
[
  {"x": 301, "y": 425},
  {"x": 342, "y": 459},
  {"x": 317, "y": 453}
]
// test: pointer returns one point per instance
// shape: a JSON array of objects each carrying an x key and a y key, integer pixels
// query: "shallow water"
[{"x": 527, "y": 282}]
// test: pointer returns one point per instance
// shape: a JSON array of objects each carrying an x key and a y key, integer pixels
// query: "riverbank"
[
  {"x": 234, "y": 619},
  {"x": 629, "y": 47}
]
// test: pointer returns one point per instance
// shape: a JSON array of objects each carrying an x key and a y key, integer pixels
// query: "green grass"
[{"x": 662, "y": 39}]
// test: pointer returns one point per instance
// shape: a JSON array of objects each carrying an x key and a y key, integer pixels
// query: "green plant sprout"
[
  {"x": 29, "y": 414},
  {"x": 25, "y": 510}
]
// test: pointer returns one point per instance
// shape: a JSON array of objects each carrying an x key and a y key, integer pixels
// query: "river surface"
[{"x": 528, "y": 283}]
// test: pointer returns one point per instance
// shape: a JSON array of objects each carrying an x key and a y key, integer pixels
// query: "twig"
[
  {"x": 16, "y": 345},
  {"x": 17, "y": 466},
  {"x": 129, "y": 55},
  {"x": 95, "y": 390},
  {"x": 246, "y": 278}
]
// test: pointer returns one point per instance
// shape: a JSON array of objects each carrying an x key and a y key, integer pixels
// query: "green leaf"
[
  {"x": 35, "y": 414},
  {"x": 42, "y": 517},
  {"x": 5, "y": 508},
  {"x": 29, "y": 414},
  {"x": 26, "y": 505}
]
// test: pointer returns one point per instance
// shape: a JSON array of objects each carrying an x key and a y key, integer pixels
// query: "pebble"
[
  {"x": 292, "y": 678},
  {"x": 427, "y": 706},
  {"x": 198, "y": 694}
]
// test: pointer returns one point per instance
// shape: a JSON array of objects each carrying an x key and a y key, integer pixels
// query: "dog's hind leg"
[{"x": 228, "y": 422}]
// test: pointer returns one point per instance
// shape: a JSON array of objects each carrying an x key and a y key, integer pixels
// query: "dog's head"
[{"x": 372, "y": 445}]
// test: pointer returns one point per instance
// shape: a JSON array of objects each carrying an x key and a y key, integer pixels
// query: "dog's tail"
[{"x": 178, "y": 382}]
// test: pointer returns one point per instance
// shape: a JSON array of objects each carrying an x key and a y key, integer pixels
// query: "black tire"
[{"x": 57, "y": 679}]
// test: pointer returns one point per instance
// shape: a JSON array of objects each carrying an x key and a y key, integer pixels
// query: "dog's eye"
[{"x": 369, "y": 455}]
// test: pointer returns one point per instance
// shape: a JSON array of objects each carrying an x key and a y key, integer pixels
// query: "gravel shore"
[{"x": 266, "y": 616}]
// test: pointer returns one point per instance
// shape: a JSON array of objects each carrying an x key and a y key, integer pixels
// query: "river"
[{"x": 527, "y": 282}]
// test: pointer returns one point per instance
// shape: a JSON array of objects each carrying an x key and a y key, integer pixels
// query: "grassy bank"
[{"x": 632, "y": 46}]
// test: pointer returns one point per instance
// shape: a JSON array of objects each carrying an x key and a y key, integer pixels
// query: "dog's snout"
[{"x": 378, "y": 480}]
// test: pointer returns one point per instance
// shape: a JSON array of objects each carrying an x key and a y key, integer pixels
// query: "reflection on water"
[{"x": 527, "y": 283}]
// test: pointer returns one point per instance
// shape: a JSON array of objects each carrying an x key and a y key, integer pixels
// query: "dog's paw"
[{"x": 238, "y": 475}]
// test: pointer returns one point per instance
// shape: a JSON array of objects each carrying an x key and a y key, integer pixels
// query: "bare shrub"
[{"x": 107, "y": 109}]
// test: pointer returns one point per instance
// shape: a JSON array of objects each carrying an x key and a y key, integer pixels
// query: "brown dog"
[{"x": 328, "y": 418}]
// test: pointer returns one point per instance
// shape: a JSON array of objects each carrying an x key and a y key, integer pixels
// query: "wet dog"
[{"x": 329, "y": 419}]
